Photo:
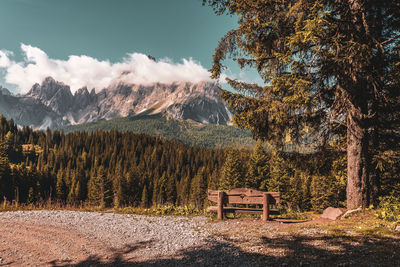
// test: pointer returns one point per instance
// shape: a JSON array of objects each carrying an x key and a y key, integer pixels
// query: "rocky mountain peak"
[
  {"x": 48, "y": 89},
  {"x": 179, "y": 100},
  {"x": 4, "y": 91},
  {"x": 53, "y": 94}
]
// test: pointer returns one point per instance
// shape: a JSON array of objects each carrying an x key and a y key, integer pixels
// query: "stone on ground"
[
  {"x": 333, "y": 213},
  {"x": 351, "y": 212}
]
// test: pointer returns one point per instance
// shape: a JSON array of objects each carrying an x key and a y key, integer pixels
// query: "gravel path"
[
  {"x": 56, "y": 238},
  {"x": 70, "y": 238}
]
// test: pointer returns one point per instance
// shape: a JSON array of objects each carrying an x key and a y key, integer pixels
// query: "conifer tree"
[
  {"x": 232, "y": 171},
  {"x": 280, "y": 174},
  {"x": 31, "y": 195},
  {"x": 61, "y": 188},
  {"x": 145, "y": 199},
  {"x": 171, "y": 189},
  {"x": 322, "y": 192},
  {"x": 118, "y": 187},
  {"x": 214, "y": 180},
  {"x": 162, "y": 189},
  {"x": 100, "y": 189},
  {"x": 4, "y": 170},
  {"x": 155, "y": 196},
  {"x": 324, "y": 64},
  {"x": 258, "y": 170},
  {"x": 198, "y": 189}
]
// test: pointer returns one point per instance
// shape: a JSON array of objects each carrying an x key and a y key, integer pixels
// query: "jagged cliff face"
[{"x": 51, "y": 104}]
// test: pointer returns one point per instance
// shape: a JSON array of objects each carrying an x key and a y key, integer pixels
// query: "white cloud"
[
  {"x": 5, "y": 58},
  {"x": 80, "y": 71}
]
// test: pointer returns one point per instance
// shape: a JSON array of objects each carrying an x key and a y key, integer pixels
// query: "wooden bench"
[{"x": 243, "y": 196}]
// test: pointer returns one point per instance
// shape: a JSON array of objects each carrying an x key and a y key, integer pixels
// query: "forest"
[{"x": 117, "y": 169}]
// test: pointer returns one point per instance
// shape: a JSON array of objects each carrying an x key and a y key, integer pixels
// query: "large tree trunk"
[
  {"x": 359, "y": 184},
  {"x": 358, "y": 187}
]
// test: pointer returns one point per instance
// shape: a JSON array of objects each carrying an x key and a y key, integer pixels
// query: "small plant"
[
  {"x": 163, "y": 210},
  {"x": 389, "y": 209},
  {"x": 287, "y": 212}
]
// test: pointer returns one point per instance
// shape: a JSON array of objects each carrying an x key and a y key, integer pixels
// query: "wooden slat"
[
  {"x": 243, "y": 199},
  {"x": 244, "y": 191},
  {"x": 243, "y": 196},
  {"x": 242, "y": 210}
]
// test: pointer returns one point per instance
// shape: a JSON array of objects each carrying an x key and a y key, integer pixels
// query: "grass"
[
  {"x": 159, "y": 210},
  {"x": 48, "y": 205},
  {"x": 162, "y": 210},
  {"x": 360, "y": 240}
]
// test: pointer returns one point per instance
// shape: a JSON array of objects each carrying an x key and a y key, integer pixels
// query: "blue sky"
[{"x": 106, "y": 30}]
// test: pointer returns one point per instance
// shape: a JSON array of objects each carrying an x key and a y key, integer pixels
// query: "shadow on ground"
[{"x": 298, "y": 250}]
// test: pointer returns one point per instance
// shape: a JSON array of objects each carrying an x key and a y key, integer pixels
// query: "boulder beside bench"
[{"x": 244, "y": 196}]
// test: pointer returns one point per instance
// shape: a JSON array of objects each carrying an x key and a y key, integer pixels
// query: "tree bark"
[{"x": 358, "y": 187}]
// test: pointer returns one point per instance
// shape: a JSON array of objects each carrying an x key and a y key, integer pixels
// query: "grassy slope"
[{"x": 191, "y": 133}]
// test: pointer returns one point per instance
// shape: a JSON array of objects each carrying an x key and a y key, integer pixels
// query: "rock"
[
  {"x": 333, "y": 213},
  {"x": 199, "y": 102},
  {"x": 351, "y": 212}
]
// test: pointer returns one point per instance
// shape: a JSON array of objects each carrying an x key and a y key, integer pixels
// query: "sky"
[{"x": 94, "y": 43}]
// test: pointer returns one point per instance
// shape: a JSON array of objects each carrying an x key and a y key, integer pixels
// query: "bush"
[
  {"x": 163, "y": 210},
  {"x": 389, "y": 209}
]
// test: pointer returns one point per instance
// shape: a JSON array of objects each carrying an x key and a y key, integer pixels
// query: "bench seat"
[{"x": 239, "y": 210}]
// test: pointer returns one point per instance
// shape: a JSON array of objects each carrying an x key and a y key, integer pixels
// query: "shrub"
[{"x": 389, "y": 209}]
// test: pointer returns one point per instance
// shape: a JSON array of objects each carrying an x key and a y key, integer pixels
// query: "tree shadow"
[{"x": 290, "y": 250}]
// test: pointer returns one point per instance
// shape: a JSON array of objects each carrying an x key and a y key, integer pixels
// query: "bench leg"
[
  {"x": 221, "y": 205},
  {"x": 265, "y": 207}
]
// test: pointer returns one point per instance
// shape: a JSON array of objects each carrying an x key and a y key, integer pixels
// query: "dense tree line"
[
  {"x": 307, "y": 181},
  {"x": 104, "y": 168},
  {"x": 116, "y": 169}
]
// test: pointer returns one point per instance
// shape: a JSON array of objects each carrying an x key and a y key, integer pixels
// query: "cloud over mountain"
[{"x": 80, "y": 71}]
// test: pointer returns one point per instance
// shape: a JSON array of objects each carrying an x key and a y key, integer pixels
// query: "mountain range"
[{"x": 52, "y": 104}]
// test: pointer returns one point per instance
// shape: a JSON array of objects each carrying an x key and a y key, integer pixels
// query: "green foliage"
[
  {"x": 188, "y": 132},
  {"x": 322, "y": 193},
  {"x": 280, "y": 173},
  {"x": 100, "y": 189},
  {"x": 389, "y": 209},
  {"x": 139, "y": 170},
  {"x": 145, "y": 198},
  {"x": 105, "y": 168},
  {"x": 232, "y": 173},
  {"x": 258, "y": 168},
  {"x": 293, "y": 214},
  {"x": 329, "y": 69},
  {"x": 198, "y": 189},
  {"x": 162, "y": 210}
]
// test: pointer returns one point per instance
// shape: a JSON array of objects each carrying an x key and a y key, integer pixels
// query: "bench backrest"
[{"x": 244, "y": 196}]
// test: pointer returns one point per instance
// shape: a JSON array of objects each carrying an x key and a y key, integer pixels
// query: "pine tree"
[
  {"x": 324, "y": 64},
  {"x": 322, "y": 193},
  {"x": 171, "y": 189},
  {"x": 100, "y": 189},
  {"x": 31, "y": 196},
  {"x": 198, "y": 189},
  {"x": 61, "y": 188},
  {"x": 5, "y": 181},
  {"x": 118, "y": 186},
  {"x": 280, "y": 175},
  {"x": 232, "y": 171},
  {"x": 145, "y": 199},
  {"x": 214, "y": 180},
  {"x": 258, "y": 170}
]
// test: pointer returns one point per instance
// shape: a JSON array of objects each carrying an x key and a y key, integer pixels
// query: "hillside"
[{"x": 188, "y": 132}]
